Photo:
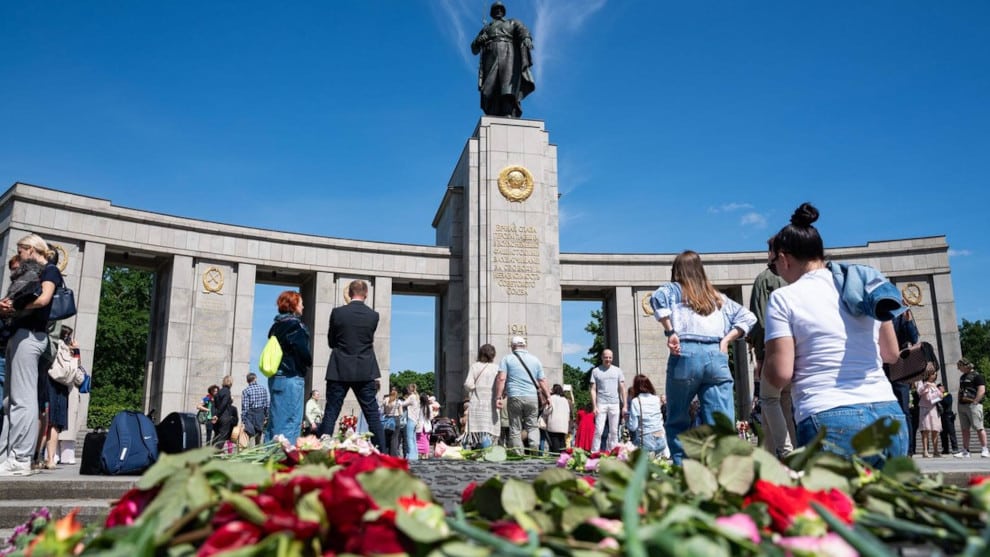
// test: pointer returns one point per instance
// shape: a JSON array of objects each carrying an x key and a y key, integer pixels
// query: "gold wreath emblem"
[
  {"x": 645, "y": 302},
  {"x": 515, "y": 183},
  {"x": 63, "y": 257},
  {"x": 912, "y": 294},
  {"x": 213, "y": 280}
]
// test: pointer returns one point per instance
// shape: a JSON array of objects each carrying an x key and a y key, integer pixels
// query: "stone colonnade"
[{"x": 496, "y": 271}]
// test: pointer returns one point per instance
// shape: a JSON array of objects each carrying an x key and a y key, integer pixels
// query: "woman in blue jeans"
[
  {"x": 699, "y": 322},
  {"x": 413, "y": 414},
  {"x": 831, "y": 354},
  {"x": 287, "y": 387}
]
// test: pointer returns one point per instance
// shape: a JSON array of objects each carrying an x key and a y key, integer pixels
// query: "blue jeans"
[
  {"x": 701, "y": 370},
  {"x": 903, "y": 393},
  {"x": 286, "y": 410},
  {"x": 653, "y": 443},
  {"x": 412, "y": 453},
  {"x": 842, "y": 423},
  {"x": 367, "y": 394}
]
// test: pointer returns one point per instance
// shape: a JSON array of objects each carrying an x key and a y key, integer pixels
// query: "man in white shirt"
[{"x": 608, "y": 399}]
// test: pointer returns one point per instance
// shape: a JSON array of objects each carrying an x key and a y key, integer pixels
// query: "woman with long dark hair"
[
  {"x": 830, "y": 351},
  {"x": 699, "y": 322},
  {"x": 479, "y": 400}
]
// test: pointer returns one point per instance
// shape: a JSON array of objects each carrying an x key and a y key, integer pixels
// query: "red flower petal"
[
  {"x": 230, "y": 536},
  {"x": 468, "y": 492},
  {"x": 509, "y": 530}
]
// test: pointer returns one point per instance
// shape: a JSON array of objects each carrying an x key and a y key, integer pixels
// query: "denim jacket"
[
  {"x": 668, "y": 301},
  {"x": 865, "y": 291}
]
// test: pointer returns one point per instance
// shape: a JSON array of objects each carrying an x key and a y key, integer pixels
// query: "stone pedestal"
[{"x": 500, "y": 220}]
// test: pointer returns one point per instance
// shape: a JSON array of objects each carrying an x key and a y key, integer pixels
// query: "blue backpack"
[{"x": 131, "y": 446}]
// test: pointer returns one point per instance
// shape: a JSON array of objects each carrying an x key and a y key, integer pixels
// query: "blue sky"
[{"x": 679, "y": 125}]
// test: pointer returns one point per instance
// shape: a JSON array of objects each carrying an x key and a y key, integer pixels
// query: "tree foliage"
[
  {"x": 597, "y": 329},
  {"x": 974, "y": 339},
  {"x": 575, "y": 377},
  {"x": 120, "y": 354},
  {"x": 425, "y": 382}
]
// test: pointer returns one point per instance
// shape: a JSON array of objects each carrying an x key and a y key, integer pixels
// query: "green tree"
[
  {"x": 974, "y": 339},
  {"x": 120, "y": 354},
  {"x": 575, "y": 377},
  {"x": 597, "y": 329},
  {"x": 425, "y": 382}
]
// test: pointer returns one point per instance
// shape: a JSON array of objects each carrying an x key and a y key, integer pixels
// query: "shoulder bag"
[
  {"x": 271, "y": 357},
  {"x": 543, "y": 402},
  {"x": 63, "y": 304}
]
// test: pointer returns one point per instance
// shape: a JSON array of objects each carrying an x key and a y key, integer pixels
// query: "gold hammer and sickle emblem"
[
  {"x": 213, "y": 280},
  {"x": 645, "y": 302}
]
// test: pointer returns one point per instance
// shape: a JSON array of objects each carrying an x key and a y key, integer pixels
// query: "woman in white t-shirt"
[{"x": 832, "y": 358}]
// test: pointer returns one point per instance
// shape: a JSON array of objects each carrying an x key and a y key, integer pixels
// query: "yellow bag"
[{"x": 271, "y": 357}]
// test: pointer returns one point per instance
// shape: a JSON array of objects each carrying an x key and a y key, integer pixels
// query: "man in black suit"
[{"x": 353, "y": 364}]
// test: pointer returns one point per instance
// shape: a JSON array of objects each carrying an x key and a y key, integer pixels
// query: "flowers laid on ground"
[
  {"x": 333, "y": 497},
  {"x": 348, "y": 425}
]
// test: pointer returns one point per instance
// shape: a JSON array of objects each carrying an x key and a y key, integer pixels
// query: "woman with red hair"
[{"x": 287, "y": 387}]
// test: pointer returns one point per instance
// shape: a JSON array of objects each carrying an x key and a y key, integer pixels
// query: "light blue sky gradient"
[{"x": 679, "y": 125}]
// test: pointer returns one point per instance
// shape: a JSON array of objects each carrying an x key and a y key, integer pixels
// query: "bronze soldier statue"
[{"x": 504, "y": 77}]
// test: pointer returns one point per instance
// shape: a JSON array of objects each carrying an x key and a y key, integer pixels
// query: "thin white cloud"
[
  {"x": 754, "y": 219},
  {"x": 565, "y": 217},
  {"x": 729, "y": 208},
  {"x": 572, "y": 348},
  {"x": 959, "y": 252},
  {"x": 551, "y": 23}
]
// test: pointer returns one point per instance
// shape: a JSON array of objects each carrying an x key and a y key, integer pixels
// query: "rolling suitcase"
[
  {"x": 178, "y": 432},
  {"x": 92, "y": 449}
]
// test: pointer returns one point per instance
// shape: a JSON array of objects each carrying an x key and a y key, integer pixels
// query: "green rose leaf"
[
  {"x": 574, "y": 515},
  {"x": 698, "y": 442},
  {"x": 700, "y": 480},
  {"x": 876, "y": 437},
  {"x": 495, "y": 453},
  {"x": 460, "y": 549},
  {"x": 770, "y": 469},
  {"x": 736, "y": 474},
  {"x": 198, "y": 490},
  {"x": 169, "y": 464},
  {"x": 425, "y": 525},
  {"x": 818, "y": 478},
  {"x": 487, "y": 499},
  {"x": 729, "y": 446},
  {"x": 518, "y": 497},
  {"x": 385, "y": 485},
  {"x": 239, "y": 473}
]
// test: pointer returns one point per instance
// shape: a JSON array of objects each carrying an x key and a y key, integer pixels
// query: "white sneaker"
[
  {"x": 11, "y": 467},
  {"x": 985, "y": 453},
  {"x": 962, "y": 454}
]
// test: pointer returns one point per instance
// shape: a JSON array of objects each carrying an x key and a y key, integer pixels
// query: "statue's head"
[{"x": 498, "y": 10}]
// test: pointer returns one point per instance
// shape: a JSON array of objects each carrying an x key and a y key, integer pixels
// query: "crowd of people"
[{"x": 823, "y": 335}]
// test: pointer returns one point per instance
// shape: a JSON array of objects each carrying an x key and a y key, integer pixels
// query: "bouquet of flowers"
[
  {"x": 348, "y": 425},
  {"x": 332, "y": 497}
]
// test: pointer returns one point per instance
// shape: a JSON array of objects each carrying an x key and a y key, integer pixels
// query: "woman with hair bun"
[
  {"x": 829, "y": 348},
  {"x": 24, "y": 349}
]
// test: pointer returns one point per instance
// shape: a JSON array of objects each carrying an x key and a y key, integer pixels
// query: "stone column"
[
  {"x": 944, "y": 314},
  {"x": 87, "y": 289},
  {"x": 240, "y": 354},
  {"x": 167, "y": 376},
  {"x": 319, "y": 294},
  {"x": 511, "y": 247},
  {"x": 382, "y": 303},
  {"x": 620, "y": 328}
]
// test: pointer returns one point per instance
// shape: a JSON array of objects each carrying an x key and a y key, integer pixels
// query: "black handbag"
[{"x": 63, "y": 303}]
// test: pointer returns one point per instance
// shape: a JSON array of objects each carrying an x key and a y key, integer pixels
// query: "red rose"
[
  {"x": 838, "y": 502},
  {"x": 468, "y": 492},
  {"x": 978, "y": 480},
  {"x": 409, "y": 504},
  {"x": 230, "y": 536},
  {"x": 590, "y": 480},
  {"x": 130, "y": 506},
  {"x": 787, "y": 504},
  {"x": 509, "y": 530},
  {"x": 345, "y": 501},
  {"x": 356, "y": 463},
  {"x": 380, "y": 537}
]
